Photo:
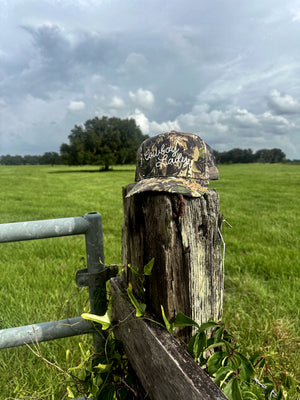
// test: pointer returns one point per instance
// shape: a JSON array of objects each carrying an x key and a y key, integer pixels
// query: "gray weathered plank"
[{"x": 163, "y": 366}]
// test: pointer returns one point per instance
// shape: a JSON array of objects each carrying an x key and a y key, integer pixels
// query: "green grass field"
[{"x": 262, "y": 285}]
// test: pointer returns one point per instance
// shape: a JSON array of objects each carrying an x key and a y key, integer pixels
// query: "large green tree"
[{"x": 105, "y": 141}]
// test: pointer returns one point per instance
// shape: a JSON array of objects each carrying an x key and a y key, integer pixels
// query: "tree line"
[
  {"x": 239, "y": 156},
  {"x": 48, "y": 158},
  {"x": 113, "y": 141}
]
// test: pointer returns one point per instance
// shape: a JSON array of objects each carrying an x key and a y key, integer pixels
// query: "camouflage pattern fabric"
[
  {"x": 212, "y": 165},
  {"x": 173, "y": 162}
]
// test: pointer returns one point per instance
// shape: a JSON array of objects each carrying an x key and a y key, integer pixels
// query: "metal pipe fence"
[
  {"x": 94, "y": 276},
  {"x": 42, "y": 332}
]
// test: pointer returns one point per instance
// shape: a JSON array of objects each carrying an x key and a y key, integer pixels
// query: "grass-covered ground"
[{"x": 262, "y": 285}]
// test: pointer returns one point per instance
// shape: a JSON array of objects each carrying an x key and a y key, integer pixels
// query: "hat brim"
[{"x": 187, "y": 187}]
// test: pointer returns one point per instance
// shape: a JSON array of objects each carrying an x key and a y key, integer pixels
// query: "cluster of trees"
[
  {"x": 46, "y": 159},
  {"x": 237, "y": 156},
  {"x": 111, "y": 141},
  {"x": 105, "y": 141}
]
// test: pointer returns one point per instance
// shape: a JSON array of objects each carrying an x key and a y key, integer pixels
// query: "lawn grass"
[
  {"x": 38, "y": 277},
  {"x": 262, "y": 286},
  {"x": 262, "y": 264}
]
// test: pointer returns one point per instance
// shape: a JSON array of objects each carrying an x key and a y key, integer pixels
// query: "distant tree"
[
  {"x": 269, "y": 156},
  {"x": 246, "y": 156},
  {"x": 105, "y": 141},
  {"x": 50, "y": 158},
  {"x": 11, "y": 160},
  {"x": 234, "y": 156},
  {"x": 240, "y": 156},
  {"x": 278, "y": 156},
  {"x": 31, "y": 160}
]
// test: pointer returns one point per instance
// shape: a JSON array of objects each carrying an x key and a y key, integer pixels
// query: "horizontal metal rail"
[
  {"x": 43, "y": 332},
  {"x": 91, "y": 226},
  {"x": 19, "y": 231}
]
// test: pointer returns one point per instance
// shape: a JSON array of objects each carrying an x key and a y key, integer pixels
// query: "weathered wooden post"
[{"x": 169, "y": 215}]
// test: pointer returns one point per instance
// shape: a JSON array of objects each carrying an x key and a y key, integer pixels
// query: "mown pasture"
[{"x": 262, "y": 285}]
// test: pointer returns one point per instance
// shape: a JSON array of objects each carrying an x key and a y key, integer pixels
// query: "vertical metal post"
[
  {"x": 96, "y": 264},
  {"x": 91, "y": 226}
]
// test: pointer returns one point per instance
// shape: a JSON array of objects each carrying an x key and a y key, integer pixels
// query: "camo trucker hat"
[{"x": 173, "y": 162}]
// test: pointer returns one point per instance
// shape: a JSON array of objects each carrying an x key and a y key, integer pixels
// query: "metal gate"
[{"x": 94, "y": 276}]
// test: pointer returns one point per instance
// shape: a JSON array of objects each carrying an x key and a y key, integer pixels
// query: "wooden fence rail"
[{"x": 163, "y": 366}]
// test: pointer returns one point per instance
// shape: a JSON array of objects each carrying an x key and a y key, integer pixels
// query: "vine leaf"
[
  {"x": 215, "y": 362},
  {"x": 70, "y": 393},
  {"x": 246, "y": 367},
  {"x": 148, "y": 267},
  {"x": 103, "y": 367},
  {"x": 170, "y": 327},
  {"x": 222, "y": 375},
  {"x": 207, "y": 325},
  {"x": 232, "y": 390},
  {"x": 139, "y": 307},
  {"x": 182, "y": 320},
  {"x": 104, "y": 320},
  {"x": 198, "y": 345}
]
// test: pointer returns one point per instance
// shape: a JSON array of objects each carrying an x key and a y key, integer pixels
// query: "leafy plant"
[
  {"x": 107, "y": 375},
  {"x": 102, "y": 376},
  {"x": 139, "y": 305},
  {"x": 237, "y": 375},
  {"x": 240, "y": 377}
]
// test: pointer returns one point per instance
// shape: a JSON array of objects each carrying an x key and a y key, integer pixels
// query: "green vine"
[
  {"x": 240, "y": 377},
  {"x": 107, "y": 376},
  {"x": 103, "y": 376}
]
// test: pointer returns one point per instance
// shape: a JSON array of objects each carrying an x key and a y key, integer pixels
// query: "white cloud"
[
  {"x": 141, "y": 120},
  {"x": 165, "y": 126},
  {"x": 245, "y": 119},
  {"x": 193, "y": 71},
  {"x": 283, "y": 103},
  {"x": 117, "y": 102},
  {"x": 224, "y": 129},
  {"x": 76, "y": 106},
  {"x": 202, "y": 119},
  {"x": 152, "y": 127},
  {"x": 142, "y": 98},
  {"x": 275, "y": 122}
]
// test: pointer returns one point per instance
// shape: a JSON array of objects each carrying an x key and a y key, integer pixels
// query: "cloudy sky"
[{"x": 226, "y": 70}]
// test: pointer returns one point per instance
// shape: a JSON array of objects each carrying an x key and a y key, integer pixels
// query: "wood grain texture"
[
  {"x": 182, "y": 235},
  {"x": 163, "y": 367}
]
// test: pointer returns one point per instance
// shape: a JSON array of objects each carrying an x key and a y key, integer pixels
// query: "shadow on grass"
[{"x": 90, "y": 171}]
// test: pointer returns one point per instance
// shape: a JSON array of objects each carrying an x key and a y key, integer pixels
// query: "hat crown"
[
  {"x": 174, "y": 162},
  {"x": 172, "y": 154}
]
